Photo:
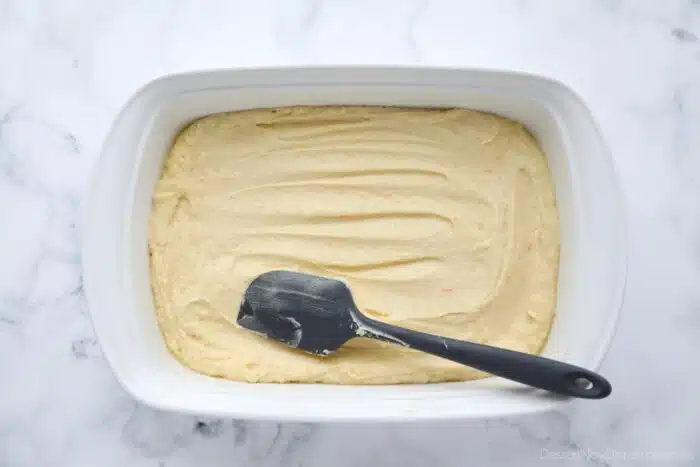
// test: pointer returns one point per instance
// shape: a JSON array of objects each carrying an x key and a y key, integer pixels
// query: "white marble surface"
[{"x": 65, "y": 69}]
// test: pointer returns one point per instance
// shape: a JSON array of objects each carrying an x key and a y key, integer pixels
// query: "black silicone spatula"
[{"x": 318, "y": 315}]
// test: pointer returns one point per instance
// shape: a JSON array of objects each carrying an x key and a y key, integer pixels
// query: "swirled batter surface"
[{"x": 439, "y": 220}]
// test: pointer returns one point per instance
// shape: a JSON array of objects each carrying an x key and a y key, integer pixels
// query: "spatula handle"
[{"x": 544, "y": 373}]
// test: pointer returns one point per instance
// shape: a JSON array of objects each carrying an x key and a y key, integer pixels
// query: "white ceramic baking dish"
[{"x": 115, "y": 256}]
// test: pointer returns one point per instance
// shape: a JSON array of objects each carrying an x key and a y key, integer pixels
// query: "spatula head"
[{"x": 312, "y": 313}]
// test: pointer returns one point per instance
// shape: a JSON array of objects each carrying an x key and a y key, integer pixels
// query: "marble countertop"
[{"x": 67, "y": 67}]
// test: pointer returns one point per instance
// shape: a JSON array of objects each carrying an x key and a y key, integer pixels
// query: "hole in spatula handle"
[{"x": 590, "y": 386}]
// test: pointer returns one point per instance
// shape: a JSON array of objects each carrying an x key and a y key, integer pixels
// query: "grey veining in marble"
[{"x": 66, "y": 68}]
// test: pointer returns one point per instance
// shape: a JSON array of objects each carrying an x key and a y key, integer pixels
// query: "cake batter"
[{"x": 439, "y": 220}]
